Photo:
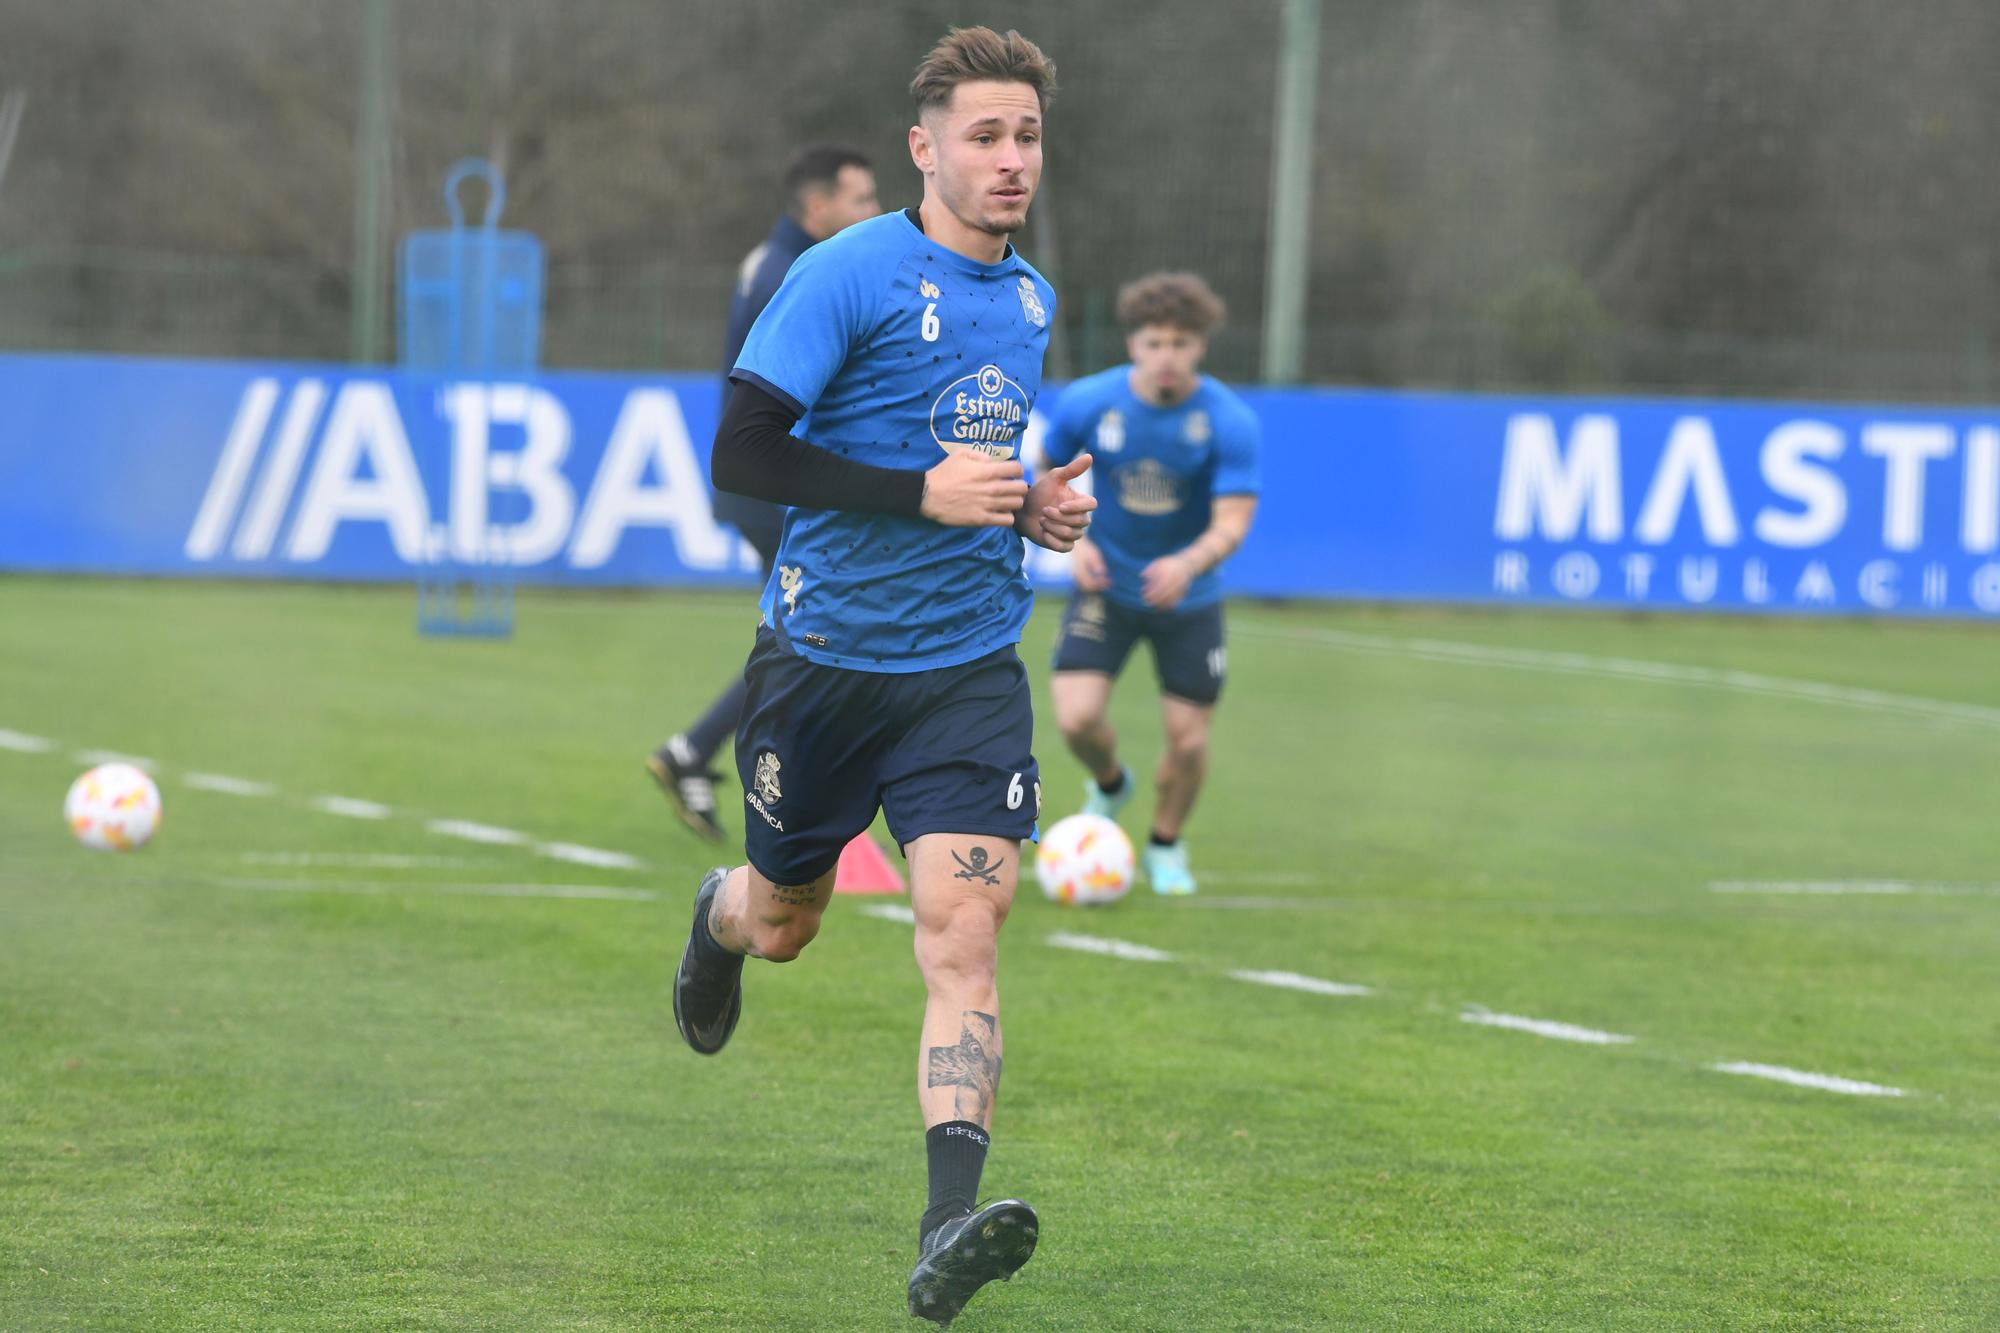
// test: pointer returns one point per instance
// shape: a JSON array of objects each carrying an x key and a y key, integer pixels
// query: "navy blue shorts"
[
  {"x": 1097, "y": 634},
  {"x": 821, "y": 748}
]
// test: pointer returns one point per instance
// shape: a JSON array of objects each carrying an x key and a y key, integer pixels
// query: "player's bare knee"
[
  {"x": 961, "y": 944},
  {"x": 970, "y": 930},
  {"x": 953, "y": 971},
  {"x": 780, "y": 939},
  {"x": 1187, "y": 752},
  {"x": 1078, "y": 724}
]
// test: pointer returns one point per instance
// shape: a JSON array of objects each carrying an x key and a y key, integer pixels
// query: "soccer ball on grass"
[
  {"x": 113, "y": 807},
  {"x": 1085, "y": 860}
]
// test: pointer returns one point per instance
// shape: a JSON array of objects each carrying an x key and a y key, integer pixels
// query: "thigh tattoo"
[{"x": 976, "y": 865}]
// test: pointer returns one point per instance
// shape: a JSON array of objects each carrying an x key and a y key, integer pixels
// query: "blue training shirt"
[
  {"x": 1157, "y": 469},
  {"x": 897, "y": 351}
]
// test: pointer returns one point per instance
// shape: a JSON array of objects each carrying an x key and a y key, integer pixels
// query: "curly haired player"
[{"x": 1177, "y": 473}]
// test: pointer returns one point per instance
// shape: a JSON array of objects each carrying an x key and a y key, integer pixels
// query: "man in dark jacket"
[{"x": 828, "y": 187}]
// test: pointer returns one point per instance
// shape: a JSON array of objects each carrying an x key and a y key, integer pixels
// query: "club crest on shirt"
[
  {"x": 984, "y": 410},
  {"x": 1199, "y": 430},
  {"x": 1111, "y": 431},
  {"x": 1031, "y": 303}
]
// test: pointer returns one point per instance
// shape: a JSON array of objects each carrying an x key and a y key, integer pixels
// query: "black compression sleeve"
[{"x": 756, "y": 454}]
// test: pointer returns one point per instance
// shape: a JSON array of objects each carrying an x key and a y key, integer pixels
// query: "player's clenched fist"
[
  {"x": 1057, "y": 513},
  {"x": 970, "y": 489}
]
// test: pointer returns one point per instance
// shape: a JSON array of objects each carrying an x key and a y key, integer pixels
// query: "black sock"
[
  {"x": 957, "y": 1151},
  {"x": 1115, "y": 786},
  {"x": 708, "y": 948},
  {"x": 1159, "y": 839}
]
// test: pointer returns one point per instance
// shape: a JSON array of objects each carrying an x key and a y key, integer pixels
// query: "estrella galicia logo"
[
  {"x": 1148, "y": 488},
  {"x": 985, "y": 411}
]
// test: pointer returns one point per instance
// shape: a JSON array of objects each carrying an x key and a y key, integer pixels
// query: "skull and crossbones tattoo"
[{"x": 977, "y": 867}]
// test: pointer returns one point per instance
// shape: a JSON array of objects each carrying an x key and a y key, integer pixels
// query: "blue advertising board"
[{"x": 298, "y": 471}]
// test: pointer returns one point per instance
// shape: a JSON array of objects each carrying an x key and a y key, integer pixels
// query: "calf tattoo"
[
  {"x": 971, "y": 1066},
  {"x": 977, "y": 867}
]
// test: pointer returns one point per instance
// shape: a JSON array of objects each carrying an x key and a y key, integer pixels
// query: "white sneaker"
[
  {"x": 1167, "y": 869},
  {"x": 1096, "y": 802}
]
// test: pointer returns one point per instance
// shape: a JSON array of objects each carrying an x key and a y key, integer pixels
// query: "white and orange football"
[
  {"x": 113, "y": 808},
  {"x": 1085, "y": 860}
]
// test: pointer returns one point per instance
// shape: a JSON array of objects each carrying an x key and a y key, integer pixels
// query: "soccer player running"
[
  {"x": 828, "y": 188},
  {"x": 1177, "y": 475},
  {"x": 907, "y": 351}
]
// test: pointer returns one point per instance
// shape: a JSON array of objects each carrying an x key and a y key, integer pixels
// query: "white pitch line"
[
  {"x": 1802, "y": 1079},
  {"x": 1540, "y": 1027},
  {"x": 363, "y": 860},
  {"x": 349, "y": 807},
  {"x": 1854, "y": 887},
  {"x": 1270, "y": 878},
  {"x": 471, "y": 832},
  {"x": 228, "y": 786},
  {"x": 563, "y": 891},
  {"x": 1543, "y": 1027},
  {"x": 1133, "y": 953},
  {"x": 1207, "y": 900},
  {"x": 352, "y": 807},
  {"x": 589, "y": 856},
  {"x": 94, "y": 757},
  {"x": 1623, "y": 668},
  {"x": 1293, "y": 981},
  {"x": 1246, "y": 878}
]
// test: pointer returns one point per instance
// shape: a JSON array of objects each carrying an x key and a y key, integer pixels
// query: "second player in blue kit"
[
  {"x": 1177, "y": 476},
  {"x": 883, "y": 396}
]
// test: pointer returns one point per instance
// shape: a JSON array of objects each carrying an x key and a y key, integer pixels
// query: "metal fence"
[{"x": 1770, "y": 198}]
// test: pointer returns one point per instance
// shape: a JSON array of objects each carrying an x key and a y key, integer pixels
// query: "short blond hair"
[
  {"x": 971, "y": 55},
  {"x": 1179, "y": 300}
]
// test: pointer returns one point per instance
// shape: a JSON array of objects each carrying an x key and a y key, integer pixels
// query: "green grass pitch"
[{"x": 287, "y": 1069}]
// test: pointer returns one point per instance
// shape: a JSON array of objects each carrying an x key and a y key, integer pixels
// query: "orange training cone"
[{"x": 866, "y": 868}]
